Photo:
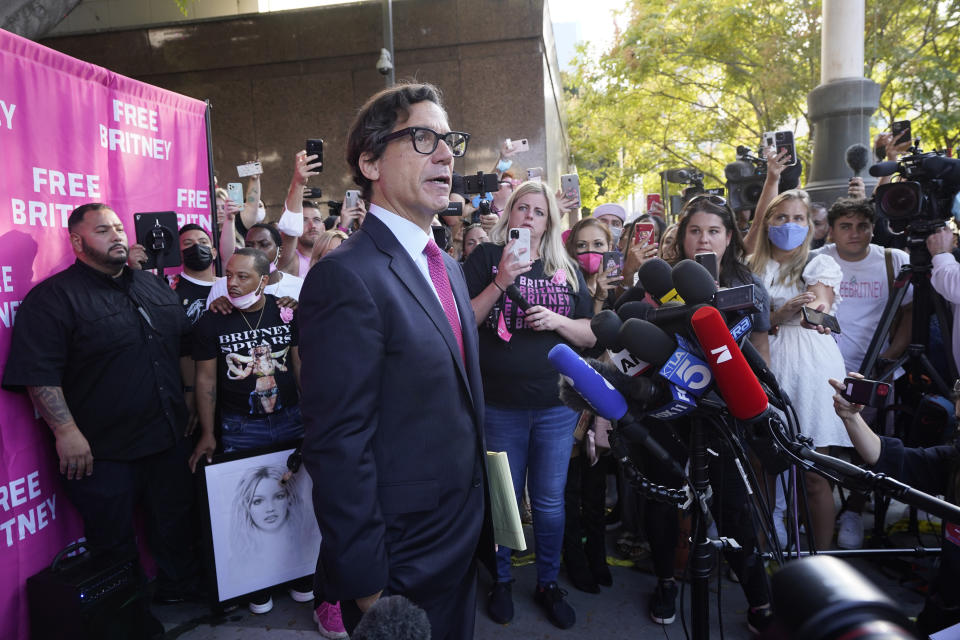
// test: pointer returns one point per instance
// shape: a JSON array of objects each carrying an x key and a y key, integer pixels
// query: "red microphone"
[{"x": 735, "y": 380}]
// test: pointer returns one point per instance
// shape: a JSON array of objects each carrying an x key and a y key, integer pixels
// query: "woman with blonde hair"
[
  {"x": 327, "y": 242},
  {"x": 801, "y": 355},
  {"x": 524, "y": 415}
]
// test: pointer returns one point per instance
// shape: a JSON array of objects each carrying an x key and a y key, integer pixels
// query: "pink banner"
[{"x": 70, "y": 133}]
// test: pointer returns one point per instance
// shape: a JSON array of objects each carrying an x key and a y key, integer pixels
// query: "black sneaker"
[
  {"x": 663, "y": 603},
  {"x": 550, "y": 597},
  {"x": 758, "y": 620},
  {"x": 500, "y": 602}
]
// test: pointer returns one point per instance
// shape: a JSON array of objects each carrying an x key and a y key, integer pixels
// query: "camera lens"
[{"x": 900, "y": 201}]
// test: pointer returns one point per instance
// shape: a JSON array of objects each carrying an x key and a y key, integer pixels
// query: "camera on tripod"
[
  {"x": 745, "y": 177},
  {"x": 921, "y": 200}
]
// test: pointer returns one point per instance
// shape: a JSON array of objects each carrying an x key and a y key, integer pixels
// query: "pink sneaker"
[{"x": 329, "y": 622}]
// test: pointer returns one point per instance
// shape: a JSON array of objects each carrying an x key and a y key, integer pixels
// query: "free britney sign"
[{"x": 71, "y": 133}]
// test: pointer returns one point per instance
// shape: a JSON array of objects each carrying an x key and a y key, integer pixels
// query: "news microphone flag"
[
  {"x": 735, "y": 380},
  {"x": 595, "y": 389}
]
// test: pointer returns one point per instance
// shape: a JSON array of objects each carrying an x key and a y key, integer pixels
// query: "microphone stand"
[{"x": 701, "y": 547}]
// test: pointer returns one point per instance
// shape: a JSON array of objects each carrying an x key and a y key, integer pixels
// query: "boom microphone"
[
  {"x": 737, "y": 384},
  {"x": 606, "y": 401},
  {"x": 514, "y": 294},
  {"x": 393, "y": 618},
  {"x": 656, "y": 278},
  {"x": 858, "y": 156}
]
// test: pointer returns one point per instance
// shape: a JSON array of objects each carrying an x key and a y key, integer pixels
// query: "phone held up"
[
  {"x": 314, "y": 147},
  {"x": 709, "y": 261},
  {"x": 643, "y": 233},
  {"x": 570, "y": 186},
  {"x": 351, "y": 199},
  {"x": 235, "y": 193},
  {"x": 819, "y": 318},
  {"x": 612, "y": 259},
  {"x": 521, "y": 245},
  {"x": 782, "y": 141}
]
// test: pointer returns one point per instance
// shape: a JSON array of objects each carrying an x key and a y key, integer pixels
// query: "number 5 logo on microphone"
[{"x": 687, "y": 372}]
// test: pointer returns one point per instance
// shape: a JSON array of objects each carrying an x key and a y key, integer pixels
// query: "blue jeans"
[
  {"x": 242, "y": 432},
  {"x": 538, "y": 444}
]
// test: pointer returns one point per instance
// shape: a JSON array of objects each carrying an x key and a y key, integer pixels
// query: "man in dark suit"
[{"x": 392, "y": 399}]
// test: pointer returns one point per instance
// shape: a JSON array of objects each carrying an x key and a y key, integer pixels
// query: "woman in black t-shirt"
[{"x": 524, "y": 415}]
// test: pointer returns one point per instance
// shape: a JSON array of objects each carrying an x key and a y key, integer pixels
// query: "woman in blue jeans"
[{"x": 524, "y": 415}]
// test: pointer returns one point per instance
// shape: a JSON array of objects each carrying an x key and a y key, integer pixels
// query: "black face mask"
[{"x": 197, "y": 257}]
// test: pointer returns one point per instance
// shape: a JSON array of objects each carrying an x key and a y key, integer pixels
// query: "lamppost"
[{"x": 385, "y": 63}]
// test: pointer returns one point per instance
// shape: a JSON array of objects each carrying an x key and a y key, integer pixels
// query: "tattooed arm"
[
  {"x": 206, "y": 393},
  {"x": 249, "y": 213},
  {"x": 76, "y": 459}
]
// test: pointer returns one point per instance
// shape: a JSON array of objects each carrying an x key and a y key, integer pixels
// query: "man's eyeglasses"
[{"x": 425, "y": 140}]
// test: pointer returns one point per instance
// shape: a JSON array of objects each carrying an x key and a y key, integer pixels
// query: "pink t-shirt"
[{"x": 304, "y": 264}]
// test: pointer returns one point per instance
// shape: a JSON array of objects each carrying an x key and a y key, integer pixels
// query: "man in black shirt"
[{"x": 96, "y": 347}]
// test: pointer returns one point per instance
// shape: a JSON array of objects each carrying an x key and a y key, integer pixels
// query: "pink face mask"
[{"x": 590, "y": 261}]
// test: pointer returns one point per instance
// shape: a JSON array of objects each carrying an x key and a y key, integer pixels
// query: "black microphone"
[
  {"x": 633, "y": 294},
  {"x": 393, "y": 618},
  {"x": 514, "y": 294},
  {"x": 858, "y": 156},
  {"x": 656, "y": 278},
  {"x": 606, "y": 327},
  {"x": 693, "y": 282},
  {"x": 647, "y": 340},
  {"x": 886, "y": 168}
]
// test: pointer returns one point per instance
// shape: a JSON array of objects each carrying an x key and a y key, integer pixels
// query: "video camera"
[
  {"x": 921, "y": 200},
  {"x": 745, "y": 177}
]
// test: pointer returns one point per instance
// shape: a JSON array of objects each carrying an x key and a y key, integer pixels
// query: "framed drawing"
[{"x": 260, "y": 526}]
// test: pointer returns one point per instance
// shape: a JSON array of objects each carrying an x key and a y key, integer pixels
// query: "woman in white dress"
[{"x": 803, "y": 356}]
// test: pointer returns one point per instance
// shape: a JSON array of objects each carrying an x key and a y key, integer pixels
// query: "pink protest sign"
[{"x": 71, "y": 133}]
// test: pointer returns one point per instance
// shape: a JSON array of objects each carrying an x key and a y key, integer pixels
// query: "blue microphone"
[{"x": 605, "y": 400}]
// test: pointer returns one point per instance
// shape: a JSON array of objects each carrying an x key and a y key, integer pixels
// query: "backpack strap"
[{"x": 888, "y": 258}]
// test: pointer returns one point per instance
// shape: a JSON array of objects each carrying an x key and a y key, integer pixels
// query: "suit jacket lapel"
[{"x": 412, "y": 278}]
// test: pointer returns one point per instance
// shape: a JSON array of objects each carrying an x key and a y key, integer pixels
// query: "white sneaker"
[{"x": 850, "y": 530}]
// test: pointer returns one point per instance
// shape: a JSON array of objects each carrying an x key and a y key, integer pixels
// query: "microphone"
[
  {"x": 886, "y": 168},
  {"x": 737, "y": 384},
  {"x": 606, "y": 326},
  {"x": 656, "y": 278},
  {"x": 514, "y": 294},
  {"x": 676, "y": 364},
  {"x": 606, "y": 401},
  {"x": 393, "y": 618},
  {"x": 630, "y": 295},
  {"x": 858, "y": 156},
  {"x": 693, "y": 282}
]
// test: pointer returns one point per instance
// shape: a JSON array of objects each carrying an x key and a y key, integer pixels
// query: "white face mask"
[
  {"x": 247, "y": 300},
  {"x": 261, "y": 213}
]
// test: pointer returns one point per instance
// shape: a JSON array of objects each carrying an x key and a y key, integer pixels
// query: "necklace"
[{"x": 244, "y": 316}]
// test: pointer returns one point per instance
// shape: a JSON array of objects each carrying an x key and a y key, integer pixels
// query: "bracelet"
[{"x": 502, "y": 290}]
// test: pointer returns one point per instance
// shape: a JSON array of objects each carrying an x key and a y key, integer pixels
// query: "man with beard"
[{"x": 96, "y": 346}]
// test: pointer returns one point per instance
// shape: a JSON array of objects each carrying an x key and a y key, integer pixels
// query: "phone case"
[
  {"x": 523, "y": 242},
  {"x": 350, "y": 200},
  {"x": 235, "y": 192},
  {"x": 643, "y": 229}
]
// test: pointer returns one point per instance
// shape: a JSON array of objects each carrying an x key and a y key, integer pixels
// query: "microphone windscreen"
[
  {"x": 393, "y": 618},
  {"x": 647, "y": 341},
  {"x": 633, "y": 294},
  {"x": 514, "y": 294},
  {"x": 887, "y": 168},
  {"x": 606, "y": 326},
  {"x": 655, "y": 277},
  {"x": 735, "y": 381},
  {"x": 693, "y": 282},
  {"x": 638, "y": 310},
  {"x": 858, "y": 156},
  {"x": 595, "y": 389}
]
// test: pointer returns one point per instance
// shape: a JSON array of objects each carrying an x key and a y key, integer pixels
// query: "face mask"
[
  {"x": 787, "y": 236},
  {"x": 246, "y": 300},
  {"x": 197, "y": 257},
  {"x": 616, "y": 232},
  {"x": 261, "y": 214},
  {"x": 590, "y": 261}
]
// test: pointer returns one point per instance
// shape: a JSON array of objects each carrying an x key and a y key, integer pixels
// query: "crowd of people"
[{"x": 383, "y": 340}]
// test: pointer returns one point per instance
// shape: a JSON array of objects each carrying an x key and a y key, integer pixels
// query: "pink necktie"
[{"x": 438, "y": 275}]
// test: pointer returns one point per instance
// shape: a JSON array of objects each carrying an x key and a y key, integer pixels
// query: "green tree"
[{"x": 686, "y": 81}]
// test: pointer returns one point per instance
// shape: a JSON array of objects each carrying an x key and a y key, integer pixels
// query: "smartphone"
[
  {"x": 522, "y": 237},
  {"x": 522, "y": 145},
  {"x": 812, "y": 316},
  {"x": 453, "y": 209},
  {"x": 351, "y": 199},
  {"x": 311, "y": 193},
  {"x": 901, "y": 131},
  {"x": 612, "y": 259},
  {"x": 570, "y": 186},
  {"x": 643, "y": 233},
  {"x": 651, "y": 198},
  {"x": 441, "y": 235},
  {"x": 782, "y": 140},
  {"x": 870, "y": 393},
  {"x": 314, "y": 147},
  {"x": 709, "y": 261},
  {"x": 235, "y": 193},
  {"x": 480, "y": 183},
  {"x": 249, "y": 169},
  {"x": 535, "y": 174}
]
